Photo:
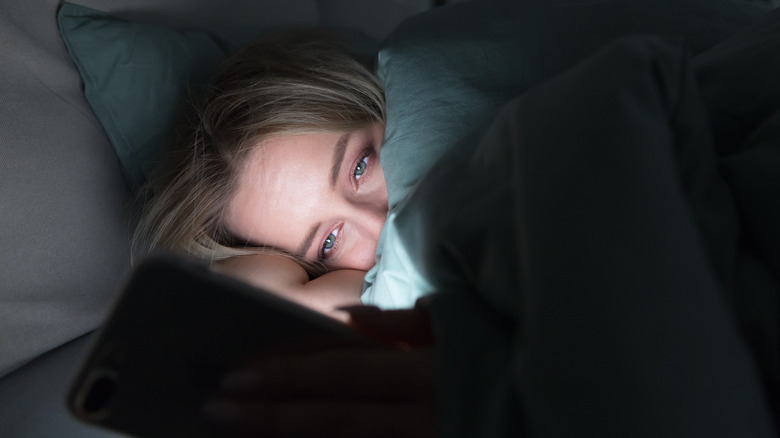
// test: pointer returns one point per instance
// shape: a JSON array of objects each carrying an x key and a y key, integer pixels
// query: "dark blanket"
[{"x": 607, "y": 252}]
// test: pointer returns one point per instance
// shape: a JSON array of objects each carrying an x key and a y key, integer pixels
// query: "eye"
[
  {"x": 360, "y": 168},
  {"x": 328, "y": 244}
]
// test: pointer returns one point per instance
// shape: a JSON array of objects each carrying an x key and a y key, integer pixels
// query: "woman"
[
  {"x": 277, "y": 180},
  {"x": 279, "y": 165}
]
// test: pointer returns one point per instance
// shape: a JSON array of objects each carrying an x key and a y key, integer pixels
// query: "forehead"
[
  {"x": 295, "y": 158},
  {"x": 283, "y": 179}
]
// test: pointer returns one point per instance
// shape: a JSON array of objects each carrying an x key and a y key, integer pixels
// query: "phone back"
[{"x": 176, "y": 328}]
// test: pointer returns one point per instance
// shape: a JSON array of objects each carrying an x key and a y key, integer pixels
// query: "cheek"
[{"x": 364, "y": 254}]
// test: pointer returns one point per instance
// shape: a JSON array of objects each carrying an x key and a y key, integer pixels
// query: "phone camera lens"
[{"x": 98, "y": 394}]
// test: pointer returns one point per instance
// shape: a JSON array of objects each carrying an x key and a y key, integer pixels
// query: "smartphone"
[{"x": 175, "y": 329}]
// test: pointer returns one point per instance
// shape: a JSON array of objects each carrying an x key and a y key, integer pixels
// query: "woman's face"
[{"x": 321, "y": 196}]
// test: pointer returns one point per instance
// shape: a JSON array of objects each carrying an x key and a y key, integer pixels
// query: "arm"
[
  {"x": 286, "y": 278},
  {"x": 338, "y": 392}
]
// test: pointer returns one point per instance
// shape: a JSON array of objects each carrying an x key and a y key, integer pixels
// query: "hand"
[
  {"x": 340, "y": 393},
  {"x": 405, "y": 329},
  {"x": 283, "y": 276}
]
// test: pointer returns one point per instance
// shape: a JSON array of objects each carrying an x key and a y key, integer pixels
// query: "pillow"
[
  {"x": 136, "y": 75},
  {"x": 448, "y": 70},
  {"x": 134, "y": 78}
]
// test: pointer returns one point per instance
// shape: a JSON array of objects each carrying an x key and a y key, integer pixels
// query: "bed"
[
  {"x": 65, "y": 199},
  {"x": 618, "y": 146}
]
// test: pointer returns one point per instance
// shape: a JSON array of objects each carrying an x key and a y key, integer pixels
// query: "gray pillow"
[{"x": 63, "y": 202}]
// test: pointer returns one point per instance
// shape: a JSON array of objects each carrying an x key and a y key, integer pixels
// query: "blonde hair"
[{"x": 284, "y": 84}]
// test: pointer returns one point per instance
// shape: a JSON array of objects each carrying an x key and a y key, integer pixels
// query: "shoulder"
[{"x": 266, "y": 271}]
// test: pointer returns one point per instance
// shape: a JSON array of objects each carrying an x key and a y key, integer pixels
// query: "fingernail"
[
  {"x": 222, "y": 411},
  {"x": 241, "y": 381}
]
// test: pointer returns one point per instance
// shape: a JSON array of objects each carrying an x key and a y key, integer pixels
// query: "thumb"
[{"x": 407, "y": 328}]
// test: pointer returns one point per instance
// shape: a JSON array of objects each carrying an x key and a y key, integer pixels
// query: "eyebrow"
[
  {"x": 338, "y": 157},
  {"x": 304, "y": 248}
]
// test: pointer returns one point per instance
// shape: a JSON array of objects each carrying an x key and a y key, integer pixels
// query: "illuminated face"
[{"x": 321, "y": 196}]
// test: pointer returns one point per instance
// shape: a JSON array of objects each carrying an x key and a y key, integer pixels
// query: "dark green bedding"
[{"x": 604, "y": 255}]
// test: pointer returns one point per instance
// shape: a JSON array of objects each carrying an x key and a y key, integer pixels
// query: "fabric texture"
[
  {"x": 738, "y": 85},
  {"x": 608, "y": 245},
  {"x": 64, "y": 204},
  {"x": 601, "y": 266},
  {"x": 135, "y": 77},
  {"x": 447, "y": 71}
]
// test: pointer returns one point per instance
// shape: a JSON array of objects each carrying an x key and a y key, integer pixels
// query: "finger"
[
  {"x": 408, "y": 327},
  {"x": 338, "y": 374},
  {"x": 305, "y": 418}
]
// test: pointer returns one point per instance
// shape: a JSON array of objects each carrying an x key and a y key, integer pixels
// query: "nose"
[
  {"x": 364, "y": 218},
  {"x": 370, "y": 216}
]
